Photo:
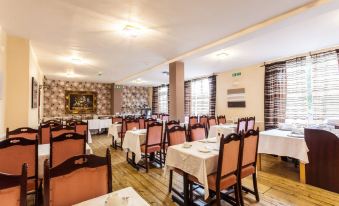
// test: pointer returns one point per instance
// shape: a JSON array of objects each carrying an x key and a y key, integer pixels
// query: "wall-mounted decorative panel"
[
  {"x": 54, "y": 96},
  {"x": 133, "y": 99},
  {"x": 236, "y": 98}
]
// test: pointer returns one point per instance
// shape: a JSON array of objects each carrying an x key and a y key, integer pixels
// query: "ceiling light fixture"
[
  {"x": 131, "y": 31},
  {"x": 138, "y": 81},
  {"x": 77, "y": 60},
  {"x": 222, "y": 55}
]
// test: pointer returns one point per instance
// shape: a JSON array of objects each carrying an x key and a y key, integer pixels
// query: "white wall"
[
  {"x": 34, "y": 71},
  {"x": 252, "y": 79},
  {"x": 2, "y": 81}
]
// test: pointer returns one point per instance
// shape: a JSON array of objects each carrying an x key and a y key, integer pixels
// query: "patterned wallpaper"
[
  {"x": 54, "y": 96},
  {"x": 134, "y": 98}
]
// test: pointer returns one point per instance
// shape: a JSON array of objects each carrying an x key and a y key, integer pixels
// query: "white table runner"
[
  {"x": 43, "y": 154},
  {"x": 132, "y": 141},
  {"x": 134, "y": 198},
  {"x": 282, "y": 143},
  {"x": 194, "y": 162}
]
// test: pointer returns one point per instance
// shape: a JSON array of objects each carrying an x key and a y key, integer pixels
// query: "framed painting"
[
  {"x": 80, "y": 102},
  {"x": 35, "y": 91}
]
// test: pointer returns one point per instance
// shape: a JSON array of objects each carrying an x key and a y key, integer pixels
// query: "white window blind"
[
  {"x": 163, "y": 99},
  {"x": 296, "y": 89},
  {"x": 200, "y": 97},
  {"x": 325, "y": 85}
]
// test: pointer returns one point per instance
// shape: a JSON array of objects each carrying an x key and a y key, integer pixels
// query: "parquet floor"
[{"x": 278, "y": 182}]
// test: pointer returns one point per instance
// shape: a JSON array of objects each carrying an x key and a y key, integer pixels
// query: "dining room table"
[
  {"x": 284, "y": 143},
  {"x": 199, "y": 159},
  {"x": 127, "y": 196},
  {"x": 114, "y": 130},
  {"x": 44, "y": 153},
  {"x": 132, "y": 141},
  {"x": 222, "y": 129}
]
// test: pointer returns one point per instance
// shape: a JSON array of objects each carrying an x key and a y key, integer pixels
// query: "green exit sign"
[{"x": 236, "y": 74}]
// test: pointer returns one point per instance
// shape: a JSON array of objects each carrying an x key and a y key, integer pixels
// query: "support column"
[{"x": 176, "y": 91}]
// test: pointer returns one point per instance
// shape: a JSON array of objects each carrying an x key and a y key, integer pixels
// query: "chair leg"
[
  {"x": 218, "y": 198},
  {"x": 160, "y": 159},
  {"x": 146, "y": 162},
  {"x": 240, "y": 193},
  {"x": 237, "y": 192},
  {"x": 255, "y": 186},
  {"x": 170, "y": 181}
]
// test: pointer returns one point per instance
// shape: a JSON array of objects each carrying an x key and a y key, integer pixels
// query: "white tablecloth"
[
  {"x": 99, "y": 124},
  {"x": 43, "y": 154},
  {"x": 224, "y": 129},
  {"x": 132, "y": 141},
  {"x": 194, "y": 162},
  {"x": 281, "y": 143},
  {"x": 134, "y": 198},
  {"x": 114, "y": 130}
]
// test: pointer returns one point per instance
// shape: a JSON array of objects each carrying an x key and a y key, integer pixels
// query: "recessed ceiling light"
[
  {"x": 138, "y": 81},
  {"x": 131, "y": 31},
  {"x": 76, "y": 60},
  {"x": 222, "y": 55}
]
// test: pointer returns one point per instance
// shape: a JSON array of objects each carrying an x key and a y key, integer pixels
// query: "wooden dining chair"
[
  {"x": 121, "y": 134},
  {"x": 16, "y": 151},
  {"x": 241, "y": 125},
  {"x": 203, "y": 120},
  {"x": 45, "y": 132},
  {"x": 155, "y": 116},
  {"x": 81, "y": 128},
  {"x": 66, "y": 146},
  {"x": 249, "y": 161},
  {"x": 77, "y": 179},
  {"x": 192, "y": 120},
  {"x": 168, "y": 125},
  {"x": 149, "y": 121},
  {"x": 131, "y": 124},
  {"x": 116, "y": 119},
  {"x": 165, "y": 117},
  {"x": 141, "y": 122},
  {"x": 13, "y": 188},
  {"x": 153, "y": 143},
  {"x": 52, "y": 121},
  {"x": 176, "y": 135},
  {"x": 211, "y": 122},
  {"x": 24, "y": 132},
  {"x": 62, "y": 129},
  {"x": 250, "y": 123},
  {"x": 228, "y": 170},
  {"x": 197, "y": 132},
  {"x": 221, "y": 119}
]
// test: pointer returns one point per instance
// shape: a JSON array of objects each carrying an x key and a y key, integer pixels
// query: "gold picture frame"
[{"x": 80, "y": 102}]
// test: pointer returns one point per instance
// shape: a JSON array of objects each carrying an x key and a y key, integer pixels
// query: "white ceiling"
[
  {"x": 312, "y": 30},
  {"x": 59, "y": 29}
]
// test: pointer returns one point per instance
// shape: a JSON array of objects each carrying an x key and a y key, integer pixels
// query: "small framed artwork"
[
  {"x": 236, "y": 98},
  {"x": 35, "y": 88}
]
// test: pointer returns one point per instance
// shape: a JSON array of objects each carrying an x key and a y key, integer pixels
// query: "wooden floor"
[{"x": 278, "y": 182}]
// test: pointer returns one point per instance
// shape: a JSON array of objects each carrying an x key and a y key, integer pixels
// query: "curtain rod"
[{"x": 310, "y": 53}]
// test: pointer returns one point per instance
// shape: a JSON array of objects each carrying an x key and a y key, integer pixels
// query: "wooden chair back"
[
  {"x": 197, "y": 132},
  {"x": 193, "y": 120},
  {"x": 221, "y": 119},
  {"x": 66, "y": 146},
  {"x": 24, "y": 132},
  {"x": 149, "y": 121},
  {"x": 250, "y": 123},
  {"x": 13, "y": 188},
  {"x": 176, "y": 135},
  {"x": 241, "y": 125},
  {"x": 62, "y": 129},
  {"x": 203, "y": 120},
  {"x": 131, "y": 124},
  {"x": 154, "y": 134},
  {"x": 77, "y": 179}
]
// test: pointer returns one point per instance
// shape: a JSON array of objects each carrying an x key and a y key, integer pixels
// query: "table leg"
[
  {"x": 259, "y": 162},
  {"x": 186, "y": 192},
  {"x": 302, "y": 173}
]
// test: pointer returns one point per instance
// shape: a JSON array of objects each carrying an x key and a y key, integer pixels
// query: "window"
[
  {"x": 200, "y": 97},
  {"x": 163, "y": 99},
  {"x": 312, "y": 87}
]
